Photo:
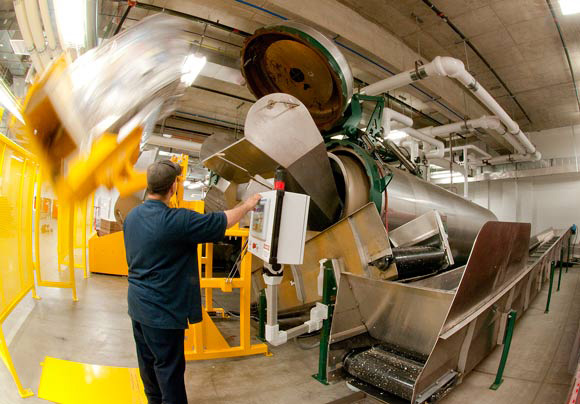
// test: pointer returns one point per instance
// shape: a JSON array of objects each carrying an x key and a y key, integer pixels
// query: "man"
[{"x": 164, "y": 295}]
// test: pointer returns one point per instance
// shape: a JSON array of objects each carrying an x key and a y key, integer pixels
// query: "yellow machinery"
[
  {"x": 107, "y": 254},
  {"x": 75, "y": 176},
  {"x": 204, "y": 340},
  {"x": 73, "y": 382}
]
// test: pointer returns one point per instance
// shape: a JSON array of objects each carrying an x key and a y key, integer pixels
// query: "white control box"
[{"x": 292, "y": 228}]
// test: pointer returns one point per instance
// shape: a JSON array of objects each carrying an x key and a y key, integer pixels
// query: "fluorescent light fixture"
[
  {"x": 338, "y": 137},
  {"x": 570, "y": 6},
  {"x": 186, "y": 183},
  {"x": 164, "y": 153},
  {"x": 191, "y": 68},
  {"x": 168, "y": 136},
  {"x": 71, "y": 20},
  {"x": 395, "y": 135}
]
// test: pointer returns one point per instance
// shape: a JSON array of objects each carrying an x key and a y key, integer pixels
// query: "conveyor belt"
[{"x": 384, "y": 370}]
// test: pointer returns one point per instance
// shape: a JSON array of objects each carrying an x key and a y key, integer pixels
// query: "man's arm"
[{"x": 236, "y": 214}]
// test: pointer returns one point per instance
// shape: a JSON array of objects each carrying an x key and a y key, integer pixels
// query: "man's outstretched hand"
[
  {"x": 252, "y": 201},
  {"x": 236, "y": 214}
]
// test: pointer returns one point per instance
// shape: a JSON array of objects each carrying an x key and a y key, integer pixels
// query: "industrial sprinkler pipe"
[{"x": 454, "y": 68}]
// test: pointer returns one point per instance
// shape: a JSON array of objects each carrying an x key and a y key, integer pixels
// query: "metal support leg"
[
  {"x": 552, "y": 267},
  {"x": 561, "y": 263},
  {"x": 568, "y": 253},
  {"x": 262, "y": 315},
  {"x": 511, "y": 321},
  {"x": 328, "y": 297}
]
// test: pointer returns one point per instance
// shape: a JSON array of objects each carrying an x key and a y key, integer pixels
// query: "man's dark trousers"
[{"x": 161, "y": 363}]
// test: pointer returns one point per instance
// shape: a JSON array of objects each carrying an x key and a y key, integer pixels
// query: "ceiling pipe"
[
  {"x": 392, "y": 115},
  {"x": 173, "y": 143},
  {"x": 35, "y": 25},
  {"x": 48, "y": 28},
  {"x": 92, "y": 15},
  {"x": 485, "y": 155},
  {"x": 467, "y": 42},
  {"x": 484, "y": 122},
  {"x": 22, "y": 19},
  {"x": 454, "y": 68},
  {"x": 438, "y": 152}
]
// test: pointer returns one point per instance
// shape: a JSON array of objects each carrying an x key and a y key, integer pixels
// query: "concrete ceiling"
[{"x": 518, "y": 38}]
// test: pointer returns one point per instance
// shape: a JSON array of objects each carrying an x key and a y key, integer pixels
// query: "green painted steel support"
[
  {"x": 262, "y": 304},
  {"x": 568, "y": 252},
  {"x": 509, "y": 332},
  {"x": 328, "y": 298},
  {"x": 561, "y": 264},
  {"x": 552, "y": 267}
]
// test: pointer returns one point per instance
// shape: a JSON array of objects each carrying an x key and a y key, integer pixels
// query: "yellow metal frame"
[
  {"x": 28, "y": 160},
  {"x": 65, "y": 244},
  {"x": 204, "y": 340}
]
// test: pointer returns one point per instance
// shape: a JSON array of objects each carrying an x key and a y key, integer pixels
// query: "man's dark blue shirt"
[{"x": 161, "y": 247}]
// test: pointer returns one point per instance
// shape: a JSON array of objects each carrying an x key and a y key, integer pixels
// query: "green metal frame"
[
  {"x": 375, "y": 123},
  {"x": 378, "y": 182},
  {"x": 262, "y": 307},
  {"x": 511, "y": 322},
  {"x": 568, "y": 252},
  {"x": 552, "y": 267},
  {"x": 328, "y": 298},
  {"x": 561, "y": 264}
]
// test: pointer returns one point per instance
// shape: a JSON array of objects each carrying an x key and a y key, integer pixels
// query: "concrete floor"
[{"x": 97, "y": 330}]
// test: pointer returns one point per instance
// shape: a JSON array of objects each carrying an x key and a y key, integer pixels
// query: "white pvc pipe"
[
  {"x": 454, "y": 68},
  {"x": 467, "y": 147},
  {"x": 484, "y": 122},
  {"x": 48, "y": 28},
  {"x": 438, "y": 152},
  {"x": 22, "y": 19},
  {"x": 35, "y": 25},
  {"x": 181, "y": 144},
  {"x": 392, "y": 115}
]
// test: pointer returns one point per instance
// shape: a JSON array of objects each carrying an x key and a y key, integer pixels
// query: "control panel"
[{"x": 292, "y": 229}]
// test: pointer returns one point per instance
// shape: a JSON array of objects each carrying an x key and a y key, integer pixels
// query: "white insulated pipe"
[
  {"x": 484, "y": 122},
  {"x": 181, "y": 144},
  {"x": 22, "y": 19},
  {"x": 482, "y": 153},
  {"x": 48, "y": 28},
  {"x": 438, "y": 152},
  {"x": 35, "y": 25},
  {"x": 392, "y": 115},
  {"x": 443, "y": 66}
]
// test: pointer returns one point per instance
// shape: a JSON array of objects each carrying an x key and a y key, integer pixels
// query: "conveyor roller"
[{"x": 385, "y": 370}]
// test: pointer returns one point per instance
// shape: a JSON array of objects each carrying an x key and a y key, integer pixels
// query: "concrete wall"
[
  {"x": 547, "y": 201},
  {"x": 552, "y": 201}
]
